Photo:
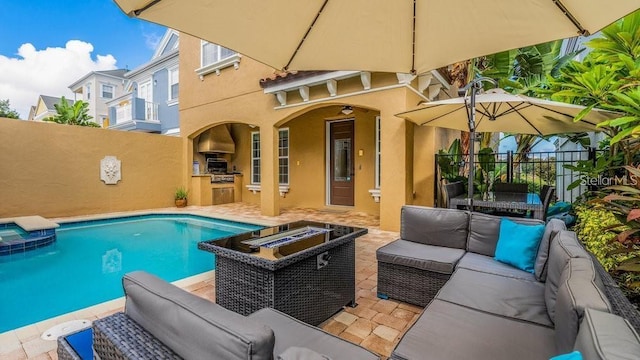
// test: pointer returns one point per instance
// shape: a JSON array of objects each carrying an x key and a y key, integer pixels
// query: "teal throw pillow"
[
  {"x": 518, "y": 244},
  {"x": 570, "y": 356}
]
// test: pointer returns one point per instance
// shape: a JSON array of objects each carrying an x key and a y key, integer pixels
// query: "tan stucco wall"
[
  {"x": 53, "y": 170},
  {"x": 428, "y": 140},
  {"x": 235, "y": 97}
]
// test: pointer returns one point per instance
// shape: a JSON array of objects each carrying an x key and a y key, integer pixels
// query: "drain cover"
[{"x": 65, "y": 328}]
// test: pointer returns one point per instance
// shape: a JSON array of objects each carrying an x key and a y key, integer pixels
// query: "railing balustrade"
[{"x": 535, "y": 168}]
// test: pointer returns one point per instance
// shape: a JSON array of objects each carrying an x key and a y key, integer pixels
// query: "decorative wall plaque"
[{"x": 110, "y": 170}]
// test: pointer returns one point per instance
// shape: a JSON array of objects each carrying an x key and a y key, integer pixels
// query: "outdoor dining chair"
[
  {"x": 510, "y": 188},
  {"x": 452, "y": 190},
  {"x": 549, "y": 193}
]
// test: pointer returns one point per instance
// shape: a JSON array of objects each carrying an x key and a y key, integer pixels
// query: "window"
[
  {"x": 107, "y": 91},
  {"x": 214, "y": 58},
  {"x": 212, "y": 53},
  {"x": 255, "y": 157},
  {"x": 283, "y": 157},
  {"x": 89, "y": 92},
  {"x": 377, "y": 170},
  {"x": 173, "y": 83}
]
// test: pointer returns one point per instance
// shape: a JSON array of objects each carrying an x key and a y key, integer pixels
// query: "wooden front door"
[{"x": 341, "y": 162}]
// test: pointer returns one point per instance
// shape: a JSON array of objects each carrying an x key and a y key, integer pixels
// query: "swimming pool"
[{"x": 85, "y": 265}]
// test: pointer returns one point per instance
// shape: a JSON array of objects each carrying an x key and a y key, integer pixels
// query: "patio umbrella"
[
  {"x": 497, "y": 110},
  {"x": 406, "y": 36}
]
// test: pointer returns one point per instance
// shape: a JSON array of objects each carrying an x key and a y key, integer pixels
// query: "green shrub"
[
  {"x": 181, "y": 193},
  {"x": 591, "y": 227}
]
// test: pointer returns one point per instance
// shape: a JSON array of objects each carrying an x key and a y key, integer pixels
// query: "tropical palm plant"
[
  {"x": 76, "y": 113},
  {"x": 609, "y": 78},
  {"x": 525, "y": 71}
]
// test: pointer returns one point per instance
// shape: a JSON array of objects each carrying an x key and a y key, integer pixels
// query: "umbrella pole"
[{"x": 474, "y": 86}]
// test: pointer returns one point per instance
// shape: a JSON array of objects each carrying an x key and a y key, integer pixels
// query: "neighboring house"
[
  {"x": 97, "y": 88},
  {"x": 316, "y": 139},
  {"x": 150, "y": 100},
  {"x": 32, "y": 112},
  {"x": 45, "y": 108}
]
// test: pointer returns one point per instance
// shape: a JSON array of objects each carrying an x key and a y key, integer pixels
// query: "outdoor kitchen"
[{"x": 214, "y": 181}]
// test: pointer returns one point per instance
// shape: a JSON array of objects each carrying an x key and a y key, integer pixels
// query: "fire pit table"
[{"x": 304, "y": 269}]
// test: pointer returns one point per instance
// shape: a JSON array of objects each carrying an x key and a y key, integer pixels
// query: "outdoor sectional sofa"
[
  {"x": 162, "y": 321},
  {"x": 480, "y": 308}
]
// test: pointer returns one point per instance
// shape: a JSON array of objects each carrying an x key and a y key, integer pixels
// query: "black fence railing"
[{"x": 534, "y": 168}]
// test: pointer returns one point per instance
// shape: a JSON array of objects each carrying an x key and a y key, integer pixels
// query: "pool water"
[{"x": 85, "y": 265}]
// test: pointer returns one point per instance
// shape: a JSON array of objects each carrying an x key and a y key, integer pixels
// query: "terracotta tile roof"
[{"x": 279, "y": 77}]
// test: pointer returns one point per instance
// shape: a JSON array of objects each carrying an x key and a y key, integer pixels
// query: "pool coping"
[
  {"x": 114, "y": 215},
  {"x": 31, "y": 223}
]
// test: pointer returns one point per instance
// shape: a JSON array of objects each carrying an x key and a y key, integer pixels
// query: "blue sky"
[
  {"x": 45, "y": 46},
  {"x": 99, "y": 22}
]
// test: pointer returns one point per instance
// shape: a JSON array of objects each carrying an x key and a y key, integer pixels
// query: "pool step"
[{"x": 9, "y": 236}]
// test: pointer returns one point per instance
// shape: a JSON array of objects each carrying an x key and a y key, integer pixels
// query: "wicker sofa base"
[
  {"x": 409, "y": 284},
  {"x": 118, "y": 337},
  {"x": 65, "y": 351}
]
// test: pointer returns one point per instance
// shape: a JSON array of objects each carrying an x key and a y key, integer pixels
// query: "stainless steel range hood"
[{"x": 216, "y": 140}]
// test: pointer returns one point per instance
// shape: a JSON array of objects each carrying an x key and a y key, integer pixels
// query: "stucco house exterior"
[
  {"x": 149, "y": 102},
  {"x": 325, "y": 140},
  {"x": 97, "y": 88}
]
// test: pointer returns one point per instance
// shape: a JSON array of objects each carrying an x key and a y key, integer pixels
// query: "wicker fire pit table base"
[{"x": 304, "y": 269}]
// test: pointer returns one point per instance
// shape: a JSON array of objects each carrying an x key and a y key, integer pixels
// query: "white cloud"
[
  {"x": 151, "y": 40},
  {"x": 47, "y": 72}
]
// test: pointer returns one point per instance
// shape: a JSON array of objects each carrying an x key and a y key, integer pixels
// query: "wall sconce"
[
  {"x": 347, "y": 110},
  {"x": 155, "y": 82}
]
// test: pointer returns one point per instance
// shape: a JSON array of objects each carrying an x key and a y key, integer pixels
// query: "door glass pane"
[{"x": 342, "y": 160}]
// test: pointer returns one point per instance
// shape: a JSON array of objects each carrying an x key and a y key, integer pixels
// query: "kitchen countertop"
[{"x": 209, "y": 175}]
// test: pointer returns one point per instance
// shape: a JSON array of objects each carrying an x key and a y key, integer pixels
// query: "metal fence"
[{"x": 534, "y": 168}]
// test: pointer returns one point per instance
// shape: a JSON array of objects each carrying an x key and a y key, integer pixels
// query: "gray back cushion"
[
  {"x": 563, "y": 247},
  {"x": 434, "y": 226},
  {"x": 580, "y": 288},
  {"x": 192, "y": 327},
  {"x": 484, "y": 231},
  {"x": 605, "y": 336},
  {"x": 554, "y": 226}
]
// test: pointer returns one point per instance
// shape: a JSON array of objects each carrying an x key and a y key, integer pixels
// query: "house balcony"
[{"x": 131, "y": 113}]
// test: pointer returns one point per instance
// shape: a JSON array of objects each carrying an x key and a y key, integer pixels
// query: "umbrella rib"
[
  {"x": 581, "y": 30},
  {"x": 525, "y": 119},
  {"x": 438, "y": 117},
  {"x": 306, "y": 34},
  {"x": 141, "y": 10},
  {"x": 563, "y": 114},
  {"x": 413, "y": 43}
]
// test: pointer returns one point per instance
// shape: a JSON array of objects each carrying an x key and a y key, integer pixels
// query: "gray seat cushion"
[
  {"x": 300, "y": 353},
  {"x": 513, "y": 298},
  {"x": 486, "y": 264},
  {"x": 553, "y": 227},
  {"x": 434, "y": 226},
  {"x": 605, "y": 336},
  {"x": 192, "y": 327},
  {"x": 484, "y": 231},
  {"x": 290, "y": 332},
  {"x": 420, "y": 256},
  {"x": 580, "y": 288},
  {"x": 450, "y": 331},
  {"x": 563, "y": 247}
]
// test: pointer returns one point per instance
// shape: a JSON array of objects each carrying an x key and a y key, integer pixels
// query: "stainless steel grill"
[{"x": 221, "y": 178}]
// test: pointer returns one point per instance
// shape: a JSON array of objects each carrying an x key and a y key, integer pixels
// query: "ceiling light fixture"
[{"x": 347, "y": 110}]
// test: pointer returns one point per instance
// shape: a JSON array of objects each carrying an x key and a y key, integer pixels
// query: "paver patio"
[{"x": 375, "y": 324}]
